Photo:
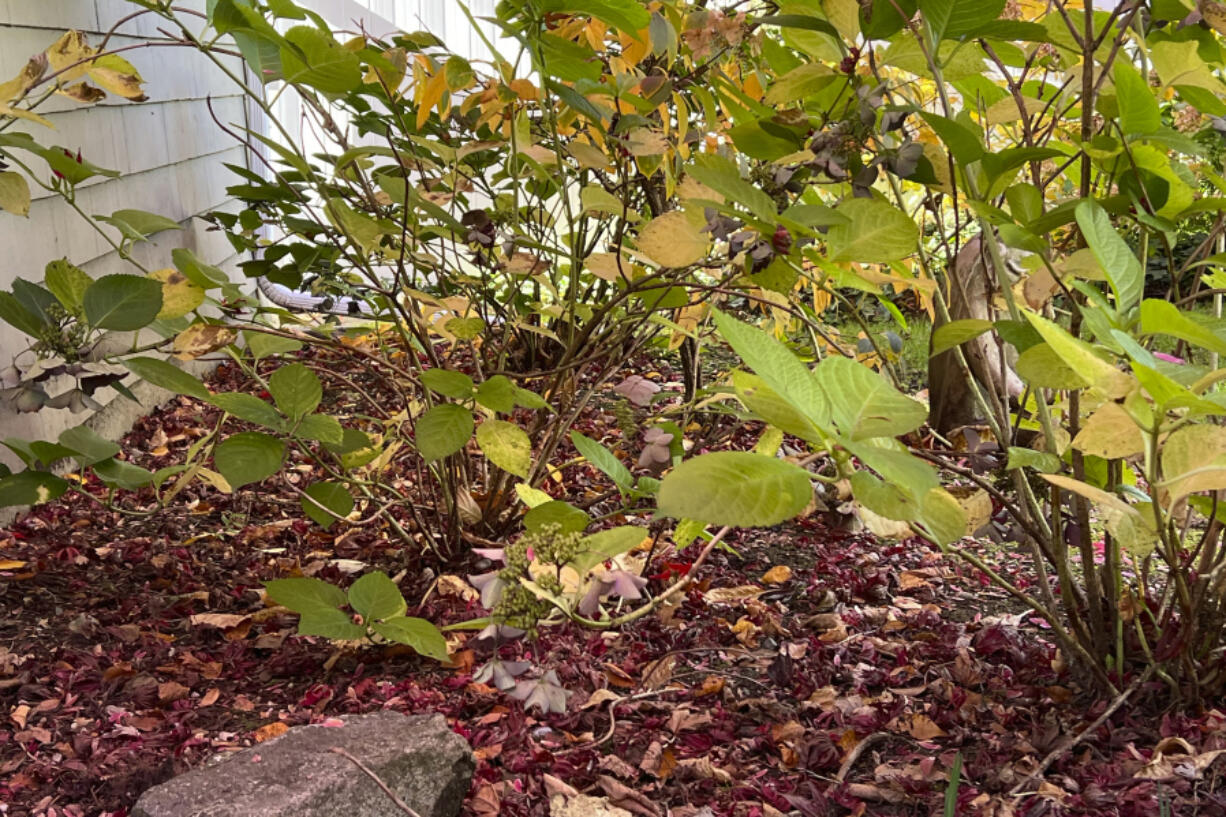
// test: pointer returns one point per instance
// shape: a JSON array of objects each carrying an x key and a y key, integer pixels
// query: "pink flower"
[{"x": 1169, "y": 358}]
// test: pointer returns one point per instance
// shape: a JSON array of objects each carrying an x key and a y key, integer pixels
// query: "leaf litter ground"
[{"x": 811, "y": 670}]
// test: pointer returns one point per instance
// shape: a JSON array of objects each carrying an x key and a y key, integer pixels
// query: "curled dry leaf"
[
  {"x": 777, "y": 575},
  {"x": 730, "y": 595}
]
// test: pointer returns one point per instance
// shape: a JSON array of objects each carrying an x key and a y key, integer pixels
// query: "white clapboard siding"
[{"x": 167, "y": 149}]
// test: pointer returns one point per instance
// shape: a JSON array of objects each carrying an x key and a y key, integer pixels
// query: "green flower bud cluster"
[
  {"x": 518, "y": 607},
  {"x": 61, "y": 336}
]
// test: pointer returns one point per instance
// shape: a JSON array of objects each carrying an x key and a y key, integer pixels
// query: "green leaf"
[
  {"x": 313, "y": 58},
  {"x": 138, "y": 225},
  {"x": 17, "y": 316},
  {"x": 607, "y": 544},
  {"x": 296, "y": 389},
  {"x": 448, "y": 383},
  {"x": 1164, "y": 318},
  {"x": 14, "y": 193},
  {"x": 1081, "y": 359},
  {"x": 735, "y": 488},
  {"x": 203, "y": 275},
  {"x": 964, "y": 144},
  {"x": 123, "y": 474},
  {"x": 417, "y": 633},
  {"x": 89, "y": 446},
  {"x": 333, "y": 496},
  {"x": 262, "y": 344},
  {"x": 567, "y": 517},
  {"x": 882, "y": 19},
  {"x": 497, "y": 394},
  {"x": 605, "y": 460},
  {"x": 781, "y": 370},
  {"x": 1042, "y": 368},
  {"x": 942, "y": 516},
  {"x": 30, "y": 488},
  {"x": 507, "y": 446},
  {"x": 248, "y": 407},
  {"x": 768, "y": 405},
  {"x": 68, "y": 283},
  {"x": 627, "y": 16},
  {"x": 443, "y": 430},
  {"x": 247, "y": 457},
  {"x": 1117, "y": 260},
  {"x": 122, "y": 302},
  {"x": 864, "y": 404},
  {"x": 322, "y": 427},
  {"x": 376, "y": 597},
  {"x": 722, "y": 176},
  {"x": 875, "y": 232},
  {"x": 1041, "y": 461},
  {"x": 1137, "y": 102},
  {"x": 333, "y": 624},
  {"x": 304, "y": 595},
  {"x": 167, "y": 375},
  {"x": 960, "y": 18},
  {"x": 948, "y": 335}
]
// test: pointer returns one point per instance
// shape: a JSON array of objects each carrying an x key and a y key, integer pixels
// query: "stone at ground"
[{"x": 298, "y": 775}]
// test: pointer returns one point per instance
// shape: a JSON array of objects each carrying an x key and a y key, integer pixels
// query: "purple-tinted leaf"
[
  {"x": 491, "y": 586},
  {"x": 545, "y": 693},
  {"x": 637, "y": 389}
]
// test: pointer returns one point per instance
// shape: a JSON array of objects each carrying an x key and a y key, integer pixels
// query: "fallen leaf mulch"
[{"x": 811, "y": 670}]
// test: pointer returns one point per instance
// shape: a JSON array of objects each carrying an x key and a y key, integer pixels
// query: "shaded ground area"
[{"x": 811, "y": 670}]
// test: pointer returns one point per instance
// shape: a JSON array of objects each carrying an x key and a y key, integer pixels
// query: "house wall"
[{"x": 167, "y": 149}]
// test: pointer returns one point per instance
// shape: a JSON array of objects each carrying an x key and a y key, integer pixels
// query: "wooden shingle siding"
[{"x": 168, "y": 150}]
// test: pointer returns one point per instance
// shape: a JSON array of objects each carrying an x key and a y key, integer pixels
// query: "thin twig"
[
  {"x": 1063, "y": 749},
  {"x": 856, "y": 751},
  {"x": 403, "y": 806}
]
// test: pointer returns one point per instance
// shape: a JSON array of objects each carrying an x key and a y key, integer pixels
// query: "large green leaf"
[
  {"x": 864, "y": 404},
  {"x": 376, "y": 597},
  {"x": 167, "y": 375},
  {"x": 248, "y": 407},
  {"x": 321, "y": 427},
  {"x": 17, "y": 316},
  {"x": 121, "y": 474},
  {"x": 443, "y": 430},
  {"x": 262, "y": 344},
  {"x": 304, "y": 595},
  {"x": 875, "y": 232},
  {"x": 960, "y": 18},
  {"x": 30, "y": 488},
  {"x": 122, "y": 302},
  {"x": 1164, "y": 318},
  {"x": 565, "y": 516},
  {"x": 1081, "y": 359},
  {"x": 771, "y": 407},
  {"x": 735, "y": 488},
  {"x": 1138, "y": 103},
  {"x": 964, "y": 144},
  {"x": 247, "y": 457},
  {"x": 448, "y": 383},
  {"x": 605, "y": 460},
  {"x": 781, "y": 370},
  {"x": 331, "y": 495},
  {"x": 336, "y": 625},
  {"x": 296, "y": 389},
  {"x": 313, "y": 58},
  {"x": 506, "y": 445},
  {"x": 89, "y": 445},
  {"x": 417, "y": 633},
  {"x": 1124, "y": 272}
]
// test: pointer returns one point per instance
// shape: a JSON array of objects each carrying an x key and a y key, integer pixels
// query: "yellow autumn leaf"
[{"x": 670, "y": 240}]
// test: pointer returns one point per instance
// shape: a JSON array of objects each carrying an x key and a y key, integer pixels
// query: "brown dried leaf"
[
  {"x": 777, "y": 575},
  {"x": 271, "y": 730}
]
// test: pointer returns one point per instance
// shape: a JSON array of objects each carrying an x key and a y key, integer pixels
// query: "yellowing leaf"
[
  {"x": 670, "y": 240},
  {"x": 200, "y": 339},
  {"x": 69, "y": 50},
  {"x": 118, "y": 76},
  {"x": 1109, "y": 433},
  {"x": 14, "y": 193},
  {"x": 179, "y": 294}
]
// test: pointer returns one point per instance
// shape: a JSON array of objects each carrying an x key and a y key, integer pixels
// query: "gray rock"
[{"x": 297, "y": 775}]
